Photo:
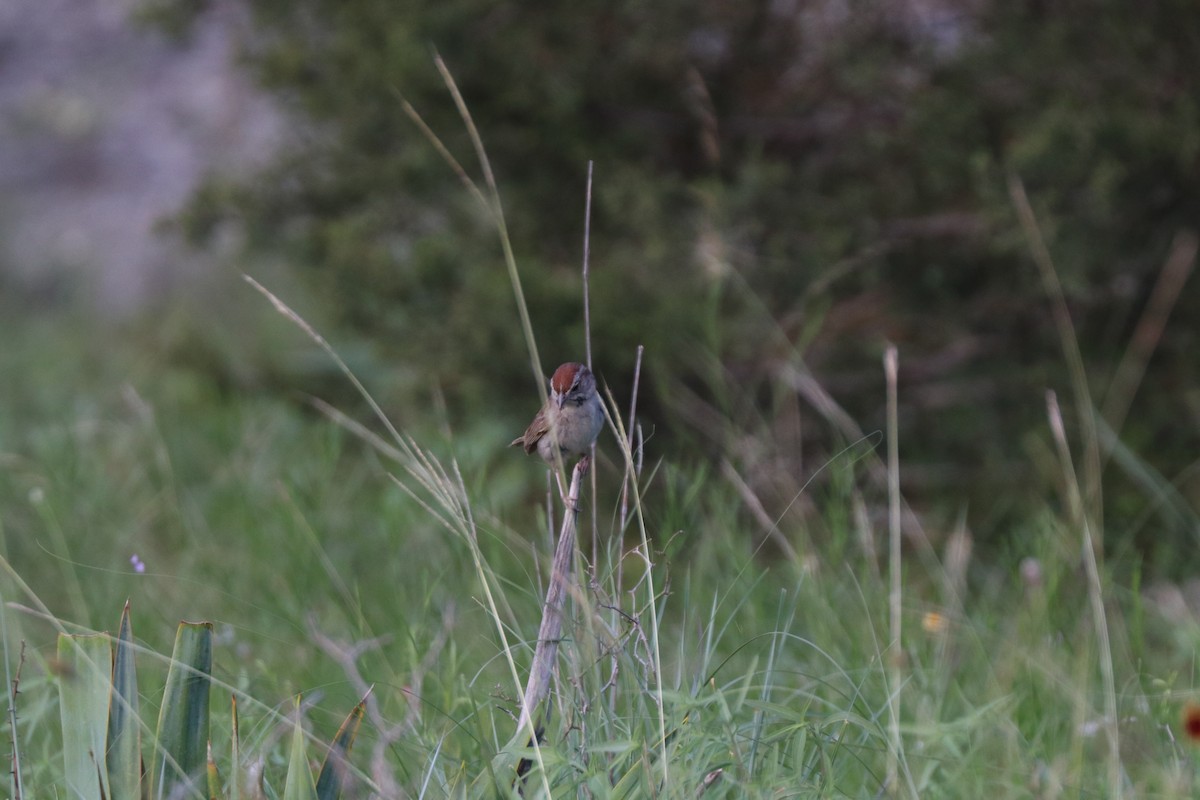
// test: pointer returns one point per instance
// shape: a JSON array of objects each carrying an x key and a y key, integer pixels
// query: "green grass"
[{"x": 254, "y": 511}]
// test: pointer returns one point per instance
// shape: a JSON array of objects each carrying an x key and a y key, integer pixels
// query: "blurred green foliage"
[{"x": 775, "y": 183}]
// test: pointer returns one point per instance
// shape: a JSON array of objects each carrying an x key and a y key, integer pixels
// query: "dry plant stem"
[
  {"x": 550, "y": 632},
  {"x": 550, "y": 507},
  {"x": 636, "y": 469},
  {"x": 759, "y": 512},
  {"x": 890, "y": 368},
  {"x": 1095, "y": 593},
  {"x": 795, "y": 374},
  {"x": 807, "y": 386},
  {"x": 15, "y": 683},
  {"x": 347, "y": 657},
  {"x": 641, "y": 450},
  {"x": 637, "y": 376},
  {"x": 1070, "y": 345},
  {"x": 1146, "y": 336},
  {"x": 587, "y": 338},
  {"x": 595, "y": 513},
  {"x": 587, "y": 254},
  {"x": 643, "y": 551},
  {"x": 866, "y": 534}
]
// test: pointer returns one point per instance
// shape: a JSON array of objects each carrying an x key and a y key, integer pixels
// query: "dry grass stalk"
[{"x": 550, "y": 632}]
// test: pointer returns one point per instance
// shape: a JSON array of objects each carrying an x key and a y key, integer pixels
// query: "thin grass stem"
[
  {"x": 1095, "y": 594},
  {"x": 630, "y": 473},
  {"x": 896, "y": 651},
  {"x": 1132, "y": 367},
  {"x": 1069, "y": 342}
]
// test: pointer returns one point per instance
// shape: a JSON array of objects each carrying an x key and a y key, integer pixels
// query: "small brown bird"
[{"x": 571, "y": 419}]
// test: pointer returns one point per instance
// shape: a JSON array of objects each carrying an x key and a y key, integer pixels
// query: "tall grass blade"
[
  {"x": 84, "y": 686},
  {"x": 1096, "y": 595},
  {"x": 331, "y": 781},
  {"x": 299, "y": 784},
  {"x": 181, "y": 747},
  {"x": 1069, "y": 341},
  {"x": 124, "y": 756}
]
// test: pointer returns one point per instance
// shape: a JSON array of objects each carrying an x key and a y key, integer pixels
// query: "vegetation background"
[
  {"x": 781, "y": 190},
  {"x": 778, "y": 184}
]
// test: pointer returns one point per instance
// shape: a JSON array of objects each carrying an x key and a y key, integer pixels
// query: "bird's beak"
[{"x": 561, "y": 399}]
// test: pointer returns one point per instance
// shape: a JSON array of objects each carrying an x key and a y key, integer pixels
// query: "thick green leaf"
[
  {"x": 84, "y": 686},
  {"x": 299, "y": 784},
  {"x": 333, "y": 772},
  {"x": 181, "y": 746},
  {"x": 124, "y": 756}
]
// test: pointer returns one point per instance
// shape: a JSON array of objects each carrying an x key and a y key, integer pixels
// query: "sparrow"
[{"x": 571, "y": 419}]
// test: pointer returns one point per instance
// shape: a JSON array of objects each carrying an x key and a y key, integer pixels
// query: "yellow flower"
[{"x": 934, "y": 623}]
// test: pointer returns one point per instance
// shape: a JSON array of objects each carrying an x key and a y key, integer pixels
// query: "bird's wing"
[{"x": 536, "y": 430}]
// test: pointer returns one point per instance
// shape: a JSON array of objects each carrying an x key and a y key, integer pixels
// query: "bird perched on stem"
[{"x": 571, "y": 419}]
